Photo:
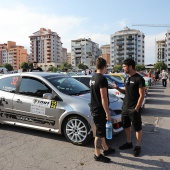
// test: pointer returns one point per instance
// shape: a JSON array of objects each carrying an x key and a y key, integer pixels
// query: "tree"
[
  {"x": 30, "y": 65},
  {"x": 65, "y": 66},
  {"x": 24, "y": 65},
  {"x": 52, "y": 69},
  {"x": 139, "y": 67},
  {"x": 8, "y": 67},
  {"x": 118, "y": 68},
  {"x": 82, "y": 66},
  {"x": 160, "y": 66}
]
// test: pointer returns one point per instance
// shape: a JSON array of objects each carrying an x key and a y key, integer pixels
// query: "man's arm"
[
  {"x": 141, "y": 98},
  {"x": 105, "y": 104}
]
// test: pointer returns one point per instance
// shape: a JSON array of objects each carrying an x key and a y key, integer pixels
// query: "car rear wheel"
[{"x": 77, "y": 130}]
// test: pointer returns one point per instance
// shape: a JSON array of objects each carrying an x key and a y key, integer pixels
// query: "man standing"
[
  {"x": 100, "y": 110},
  {"x": 164, "y": 76},
  {"x": 134, "y": 94},
  {"x": 36, "y": 68}
]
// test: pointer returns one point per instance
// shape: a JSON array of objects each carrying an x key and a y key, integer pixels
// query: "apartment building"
[
  {"x": 46, "y": 48},
  {"x": 127, "y": 43},
  {"x": 84, "y": 51},
  {"x": 69, "y": 58},
  {"x": 160, "y": 50},
  {"x": 64, "y": 55},
  {"x": 105, "y": 52},
  {"x": 168, "y": 49},
  {"x": 12, "y": 54}
]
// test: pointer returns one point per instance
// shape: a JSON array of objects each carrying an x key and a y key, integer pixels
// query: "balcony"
[
  {"x": 130, "y": 38},
  {"x": 120, "y": 49},
  {"x": 130, "y": 52},
  {"x": 120, "y": 43},
  {"x": 130, "y": 48},
  {"x": 120, "y": 53},
  {"x": 130, "y": 43},
  {"x": 120, "y": 39},
  {"x": 120, "y": 57}
]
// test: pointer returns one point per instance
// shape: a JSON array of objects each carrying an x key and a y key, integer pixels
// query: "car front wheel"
[{"x": 77, "y": 130}]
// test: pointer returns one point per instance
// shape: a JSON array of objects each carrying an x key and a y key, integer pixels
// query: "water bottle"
[{"x": 109, "y": 130}]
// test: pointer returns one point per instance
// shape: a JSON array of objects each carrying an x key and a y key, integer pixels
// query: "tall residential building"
[
  {"x": 84, "y": 51},
  {"x": 46, "y": 48},
  {"x": 64, "y": 55},
  {"x": 105, "y": 52},
  {"x": 168, "y": 49},
  {"x": 12, "y": 54},
  {"x": 127, "y": 43},
  {"x": 160, "y": 50},
  {"x": 69, "y": 58}
]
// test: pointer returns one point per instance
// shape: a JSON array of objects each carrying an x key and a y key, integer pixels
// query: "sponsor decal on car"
[{"x": 45, "y": 103}]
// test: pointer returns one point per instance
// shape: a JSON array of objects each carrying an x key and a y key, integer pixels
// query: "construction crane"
[{"x": 152, "y": 25}]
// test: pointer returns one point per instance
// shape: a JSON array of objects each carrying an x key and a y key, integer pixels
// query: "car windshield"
[
  {"x": 113, "y": 79},
  {"x": 67, "y": 85}
]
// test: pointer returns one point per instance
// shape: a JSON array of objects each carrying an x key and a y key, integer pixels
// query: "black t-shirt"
[
  {"x": 36, "y": 69},
  {"x": 132, "y": 85},
  {"x": 97, "y": 81}
]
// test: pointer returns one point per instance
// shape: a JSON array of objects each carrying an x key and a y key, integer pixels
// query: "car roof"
[
  {"x": 83, "y": 76},
  {"x": 39, "y": 74}
]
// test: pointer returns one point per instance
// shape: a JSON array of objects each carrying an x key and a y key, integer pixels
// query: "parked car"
[
  {"x": 51, "y": 102},
  {"x": 112, "y": 79},
  {"x": 119, "y": 76},
  {"x": 113, "y": 92},
  {"x": 85, "y": 79}
]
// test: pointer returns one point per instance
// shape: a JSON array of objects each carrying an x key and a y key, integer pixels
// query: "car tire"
[{"x": 77, "y": 130}]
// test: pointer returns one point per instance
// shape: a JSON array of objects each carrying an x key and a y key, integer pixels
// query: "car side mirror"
[{"x": 50, "y": 96}]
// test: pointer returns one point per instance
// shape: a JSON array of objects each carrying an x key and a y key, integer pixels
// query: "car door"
[
  {"x": 31, "y": 108},
  {"x": 8, "y": 86}
]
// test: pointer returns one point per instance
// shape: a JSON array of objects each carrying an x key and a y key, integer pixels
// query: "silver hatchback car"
[{"x": 51, "y": 102}]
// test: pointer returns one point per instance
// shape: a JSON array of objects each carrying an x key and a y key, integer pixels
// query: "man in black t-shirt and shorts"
[
  {"x": 134, "y": 94},
  {"x": 100, "y": 110},
  {"x": 36, "y": 68}
]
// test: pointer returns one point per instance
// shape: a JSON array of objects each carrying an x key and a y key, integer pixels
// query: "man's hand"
[{"x": 108, "y": 117}]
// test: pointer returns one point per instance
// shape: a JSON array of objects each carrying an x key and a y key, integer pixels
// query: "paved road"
[{"x": 26, "y": 149}]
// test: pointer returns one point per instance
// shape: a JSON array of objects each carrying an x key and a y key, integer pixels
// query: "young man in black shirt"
[
  {"x": 100, "y": 110},
  {"x": 36, "y": 68},
  {"x": 134, "y": 94}
]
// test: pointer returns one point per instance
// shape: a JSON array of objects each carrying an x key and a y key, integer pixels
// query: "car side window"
[
  {"x": 86, "y": 81},
  {"x": 33, "y": 87},
  {"x": 9, "y": 84}
]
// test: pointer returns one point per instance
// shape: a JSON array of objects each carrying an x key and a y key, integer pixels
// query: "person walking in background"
[
  {"x": 134, "y": 94},
  {"x": 150, "y": 73},
  {"x": 164, "y": 76},
  {"x": 36, "y": 68},
  {"x": 157, "y": 72},
  {"x": 100, "y": 110}
]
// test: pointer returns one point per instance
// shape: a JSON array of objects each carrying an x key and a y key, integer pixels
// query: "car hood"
[{"x": 87, "y": 96}]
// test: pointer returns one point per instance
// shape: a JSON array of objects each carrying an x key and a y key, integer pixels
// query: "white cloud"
[
  {"x": 19, "y": 23},
  {"x": 150, "y": 47}
]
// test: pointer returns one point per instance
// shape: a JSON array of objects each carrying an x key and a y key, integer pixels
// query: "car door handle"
[{"x": 18, "y": 101}]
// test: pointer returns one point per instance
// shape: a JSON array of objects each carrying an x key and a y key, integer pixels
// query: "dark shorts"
[
  {"x": 131, "y": 116},
  {"x": 100, "y": 123}
]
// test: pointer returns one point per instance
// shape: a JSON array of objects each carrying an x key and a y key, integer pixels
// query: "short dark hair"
[
  {"x": 35, "y": 62},
  {"x": 100, "y": 63},
  {"x": 129, "y": 62}
]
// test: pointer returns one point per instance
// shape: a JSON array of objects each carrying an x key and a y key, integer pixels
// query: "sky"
[{"x": 73, "y": 19}]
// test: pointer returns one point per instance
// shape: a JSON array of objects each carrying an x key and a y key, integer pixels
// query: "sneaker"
[
  {"x": 108, "y": 152},
  {"x": 137, "y": 151},
  {"x": 126, "y": 146},
  {"x": 102, "y": 158}
]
